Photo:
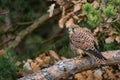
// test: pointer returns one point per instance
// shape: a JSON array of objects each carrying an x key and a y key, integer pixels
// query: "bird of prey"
[{"x": 83, "y": 39}]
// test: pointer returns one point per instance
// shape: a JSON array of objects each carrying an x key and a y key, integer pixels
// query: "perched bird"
[{"x": 83, "y": 39}]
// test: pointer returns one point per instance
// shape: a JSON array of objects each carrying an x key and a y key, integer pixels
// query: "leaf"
[
  {"x": 95, "y": 4},
  {"x": 18, "y": 63},
  {"x": 63, "y": 20},
  {"x": 97, "y": 30},
  {"x": 98, "y": 74},
  {"x": 61, "y": 2},
  {"x": 110, "y": 39},
  {"x": 90, "y": 75},
  {"x": 77, "y": 7},
  {"x": 27, "y": 69},
  {"x": 39, "y": 61},
  {"x": 51, "y": 9},
  {"x": 110, "y": 31},
  {"x": 42, "y": 56},
  {"x": 35, "y": 67},
  {"x": 46, "y": 60},
  {"x": 111, "y": 75},
  {"x": 54, "y": 55},
  {"x": 69, "y": 23},
  {"x": 79, "y": 76},
  {"x": 63, "y": 58},
  {"x": 27, "y": 66},
  {"x": 117, "y": 39}
]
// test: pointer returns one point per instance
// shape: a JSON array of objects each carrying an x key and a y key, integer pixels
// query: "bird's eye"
[{"x": 74, "y": 29}]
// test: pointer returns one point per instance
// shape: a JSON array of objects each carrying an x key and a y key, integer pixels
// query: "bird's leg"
[{"x": 81, "y": 52}]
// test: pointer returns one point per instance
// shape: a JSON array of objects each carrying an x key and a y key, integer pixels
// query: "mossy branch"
[{"x": 69, "y": 67}]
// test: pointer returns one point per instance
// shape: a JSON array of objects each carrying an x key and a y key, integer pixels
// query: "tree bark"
[{"x": 67, "y": 68}]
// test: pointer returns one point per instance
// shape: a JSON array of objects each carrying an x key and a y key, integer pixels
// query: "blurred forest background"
[{"x": 28, "y": 34}]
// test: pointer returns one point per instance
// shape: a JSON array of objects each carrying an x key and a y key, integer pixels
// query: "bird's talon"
[{"x": 80, "y": 56}]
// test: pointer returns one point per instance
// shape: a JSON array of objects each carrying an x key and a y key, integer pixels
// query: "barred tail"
[
  {"x": 100, "y": 61},
  {"x": 98, "y": 56}
]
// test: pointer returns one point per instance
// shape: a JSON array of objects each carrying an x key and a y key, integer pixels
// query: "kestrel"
[{"x": 83, "y": 39}]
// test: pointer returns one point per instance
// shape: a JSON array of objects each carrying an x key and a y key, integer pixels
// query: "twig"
[
  {"x": 25, "y": 23},
  {"x": 4, "y": 12},
  {"x": 69, "y": 67}
]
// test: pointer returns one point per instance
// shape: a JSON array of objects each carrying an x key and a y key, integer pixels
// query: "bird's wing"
[
  {"x": 82, "y": 40},
  {"x": 96, "y": 53}
]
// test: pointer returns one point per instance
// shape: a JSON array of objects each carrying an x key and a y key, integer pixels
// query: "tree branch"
[
  {"x": 69, "y": 67},
  {"x": 31, "y": 28}
]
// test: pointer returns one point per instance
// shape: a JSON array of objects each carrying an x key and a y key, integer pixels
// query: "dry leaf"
[
  {"x": 46, "y": 60},
  {"x": 110, "y": 74},
  {"x": 54, "y": 55},
  {"x": 95, "y": 4},
  {"x": 27, "y": 68},
  {"x": 98, "y": 29},
  {"x": 29, "y": 60},
  {"x": 51, "y": 9},
  {"x": 63, "y": 20},
  {"x": 98, "y": 74},
  {"x": 69, "y": 23},
  {"x": 63, "y": 58},
  {"x": 112, "y": 31},
  {"x": 61, "y": 2},
  {"x": 117, "y": 39},
  {"x": 79, "y": 76},
  {"x": 109, "y": 20},
  {"x": 77, "y": 7},
  {"x": 76, "y": 17},
  {"x": 82, "y": 17},
  {"x": 110, "y": 39},
  {"x": 42, "y": 56},
  {"x": 39, "y": 61},
  {"x": 35, "y": 67},
  {"x": 18, "y": 63},
  {"x": 89, "y": 75}
]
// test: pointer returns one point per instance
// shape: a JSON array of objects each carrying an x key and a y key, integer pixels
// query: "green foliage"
[
  {"x": 107, "y": 46},
  {"x": 115, "y": 2},
  {"x": 66, "y": 52},
  {"x": 7, "y": 68},
  {"x": 32, "y": 46},
  {"x": 111, "y": 46},
  {"x": 87, "y": 8},
  {"x": 31, "y": 15},
  {"x": 93, "y": 15},
  {"x": 109, "y": 11},
  {"x": 51, "y": 47}
]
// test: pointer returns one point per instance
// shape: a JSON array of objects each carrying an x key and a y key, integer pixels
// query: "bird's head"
[{"x": 73, "y": 29}]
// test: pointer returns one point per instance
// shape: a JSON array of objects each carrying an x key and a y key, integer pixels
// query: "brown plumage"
[{"x": 82, "y": 38}]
